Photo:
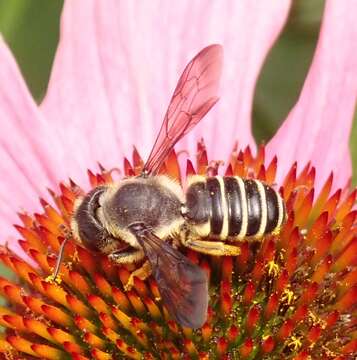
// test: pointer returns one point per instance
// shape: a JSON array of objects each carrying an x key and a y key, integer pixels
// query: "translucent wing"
[
  {"x": 195, "y": 94},
  {"x": 183, "y": 285}
]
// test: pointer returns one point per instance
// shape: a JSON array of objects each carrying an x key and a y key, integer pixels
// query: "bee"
[{"x": 143, "y": 217}]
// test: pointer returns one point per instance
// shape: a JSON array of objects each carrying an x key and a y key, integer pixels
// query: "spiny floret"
[{"x": 291, "y": 296}]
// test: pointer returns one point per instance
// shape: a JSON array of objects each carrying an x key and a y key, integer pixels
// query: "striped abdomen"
[{"x": 229, "y": 206}]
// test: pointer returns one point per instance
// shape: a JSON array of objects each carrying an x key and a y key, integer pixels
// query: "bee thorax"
[{"x": 141, "y": 201}]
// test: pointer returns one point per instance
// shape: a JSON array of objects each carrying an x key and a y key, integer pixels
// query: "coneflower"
[{"x": 291, "y": 295}]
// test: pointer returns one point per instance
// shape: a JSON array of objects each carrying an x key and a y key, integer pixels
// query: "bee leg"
[
  {"x": 216, "y": 248},
  {"x": 142, "y": 273}
]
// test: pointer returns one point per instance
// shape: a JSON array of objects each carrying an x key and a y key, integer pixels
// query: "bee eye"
[
  {"x": 93, "y": 204},
  {"x": 89, "y": 226},
  {"x": 96, "y": 213}
]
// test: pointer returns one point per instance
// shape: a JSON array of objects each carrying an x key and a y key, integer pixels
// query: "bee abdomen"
[{"x": 234, "y": 207}]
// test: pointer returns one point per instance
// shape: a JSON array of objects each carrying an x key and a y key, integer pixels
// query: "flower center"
[{"x": 291, "y": 294}]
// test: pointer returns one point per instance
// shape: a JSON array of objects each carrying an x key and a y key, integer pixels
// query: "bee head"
[
  {"x": 94, "y": 231},
  {"x": 86, "y": 225}
]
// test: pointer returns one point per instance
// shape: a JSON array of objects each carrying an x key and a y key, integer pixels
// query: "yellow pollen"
[
  {"x": 273, "y": 268},
  {"x": 52, "y": 280},
  {"x": 295, "y": 342},
  {"x": 288, "y": 296},
  {"x": 329, "y": 352},
  {"x": 69, "y": 265},
  {"x": 316, "y": 320},
  {"x": 75, "y": 256},
  {"x": 9, "y": 354}
]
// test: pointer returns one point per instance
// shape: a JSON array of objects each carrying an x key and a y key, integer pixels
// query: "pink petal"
[
  {"x": 29, "y": 152},
  {"x": 319, "y": 125},
  {"x": 118, "y": 63}
]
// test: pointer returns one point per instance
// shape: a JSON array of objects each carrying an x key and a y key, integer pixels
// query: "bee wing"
[
  {"x": 183, "y": 285},
  {"x": 195, "y": 94}
]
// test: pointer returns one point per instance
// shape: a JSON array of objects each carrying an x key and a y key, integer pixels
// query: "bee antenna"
[{"x": 59, "y": 258}]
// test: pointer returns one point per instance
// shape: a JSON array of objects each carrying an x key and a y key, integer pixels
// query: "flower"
[
  {"x": 289, "y": 297},
  {"x": 293, "y": 296}
]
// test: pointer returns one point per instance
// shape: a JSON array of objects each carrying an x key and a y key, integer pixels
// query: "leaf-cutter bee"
[{"x": 138, "y": 217}]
